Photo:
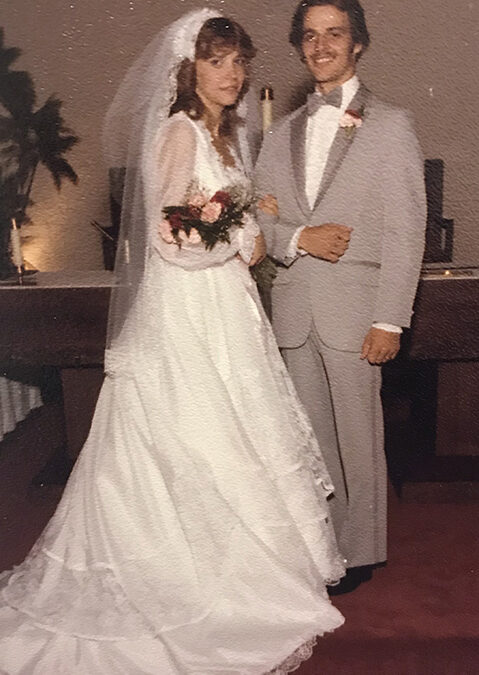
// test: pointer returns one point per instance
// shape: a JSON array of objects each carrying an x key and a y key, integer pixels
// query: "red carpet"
[{"x": 417, "y": 616}]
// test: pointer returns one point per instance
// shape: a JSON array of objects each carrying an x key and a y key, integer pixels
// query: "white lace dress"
[{"x": 193, "y": 535}]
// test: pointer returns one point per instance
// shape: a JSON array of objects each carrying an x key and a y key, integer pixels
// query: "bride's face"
[{"x": 219, "y": 79}]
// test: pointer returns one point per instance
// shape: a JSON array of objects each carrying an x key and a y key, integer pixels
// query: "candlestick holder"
[
  {"x": 23, "y": 279},
  {"x": 267, "y": 98},
  {"x": 20, "y": 277}
]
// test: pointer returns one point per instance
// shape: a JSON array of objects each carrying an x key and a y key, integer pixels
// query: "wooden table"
[
  {"x": 437, "y": 376},
  {"x": 61, "y": 322}
]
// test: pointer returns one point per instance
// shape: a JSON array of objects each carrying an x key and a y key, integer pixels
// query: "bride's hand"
[
  {"x": 269, "y": 204},
  {"x": 259, "y": 251}
]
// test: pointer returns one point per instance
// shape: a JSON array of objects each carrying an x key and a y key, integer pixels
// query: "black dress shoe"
[{"x": 353, "y": 578}]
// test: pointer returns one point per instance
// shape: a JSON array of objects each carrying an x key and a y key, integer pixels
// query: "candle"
[
  {"x": 267, "y": 107},
  {"x": 17, "y": 257}
]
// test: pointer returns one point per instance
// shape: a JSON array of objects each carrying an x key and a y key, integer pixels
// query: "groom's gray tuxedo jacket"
[{"x": 373, "y": 182}]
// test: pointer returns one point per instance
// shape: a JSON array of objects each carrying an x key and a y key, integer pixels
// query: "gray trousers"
[{"x": 341, "y": 395}]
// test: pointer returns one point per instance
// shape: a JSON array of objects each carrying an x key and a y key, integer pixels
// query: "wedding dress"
[{"x": 193, "y": 536}]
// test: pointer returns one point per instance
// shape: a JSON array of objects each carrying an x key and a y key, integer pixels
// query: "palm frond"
[
  {"x": 7, "y": 54},
  {"x": 9, "y": 163},
  {"x": 53, "y": 140},
  {"x": 60, "y": 168},
  {"x": 50, "y": 127},
  {"x": 12, "y": 204},
  {"x": 7, "y": 129},
  {"x": 28, "y": 137},
  {"x": 10, "y": 151},
  {"x": 17, "y": 93}
]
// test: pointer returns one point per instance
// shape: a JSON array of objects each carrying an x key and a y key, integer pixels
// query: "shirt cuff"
[
  {"x": 293, "y": 250},
  {"x": 389, "y": 327}
]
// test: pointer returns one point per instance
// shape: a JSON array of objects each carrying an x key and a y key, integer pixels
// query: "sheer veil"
[{"x": 133, "y": 122}]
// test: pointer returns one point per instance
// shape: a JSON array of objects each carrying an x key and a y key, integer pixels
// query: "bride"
[{"x": 193, "y": 536}]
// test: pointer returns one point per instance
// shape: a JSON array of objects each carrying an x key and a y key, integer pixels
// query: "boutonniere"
[{"x": 351, "y": 120}]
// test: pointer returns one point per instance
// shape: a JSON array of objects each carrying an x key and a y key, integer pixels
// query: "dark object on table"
[
  {"x": 439, "y": 230},
  {"x": 116, "y": 178}
]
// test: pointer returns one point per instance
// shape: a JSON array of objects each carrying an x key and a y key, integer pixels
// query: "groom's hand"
[
  {"x": 380, "y": 346},
  {"x": 329, "y": 241}
]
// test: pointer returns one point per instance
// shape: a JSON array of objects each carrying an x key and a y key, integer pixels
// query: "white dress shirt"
[
  {"x": 320, "y": 132},
  {"x": 321, "y": 129}
]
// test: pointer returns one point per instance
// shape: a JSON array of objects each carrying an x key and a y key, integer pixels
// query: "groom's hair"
[{"x": 357, "y": 21}]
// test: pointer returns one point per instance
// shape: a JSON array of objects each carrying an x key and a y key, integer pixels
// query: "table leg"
[
  {"x": 457, "y": 401},
  {"x": 81, "y": 387}
]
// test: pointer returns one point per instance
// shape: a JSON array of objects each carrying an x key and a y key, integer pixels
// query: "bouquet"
[{"x": 204, "y": 219}]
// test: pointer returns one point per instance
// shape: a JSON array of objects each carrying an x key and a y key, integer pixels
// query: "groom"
[{"x": 347, "y": 173}]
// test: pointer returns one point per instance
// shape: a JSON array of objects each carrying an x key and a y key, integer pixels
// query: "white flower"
[
  {"x": 194, "y": 236},
  {"x": 165, "y": 231}
]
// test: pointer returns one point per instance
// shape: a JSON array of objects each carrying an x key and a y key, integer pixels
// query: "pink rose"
[
  {"x": 211, "y": 212},
  {"x": 165, "y": 231},
  {"x": 198, "y": 200},
  {"x": 192, "y": 238},
  {"x": 350, "y": 119}
]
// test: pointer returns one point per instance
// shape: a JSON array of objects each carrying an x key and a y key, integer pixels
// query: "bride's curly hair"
[{"x": 216, "y": 35}]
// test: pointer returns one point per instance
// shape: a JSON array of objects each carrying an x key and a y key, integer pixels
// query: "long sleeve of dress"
[{"x": 172, "y": 172}]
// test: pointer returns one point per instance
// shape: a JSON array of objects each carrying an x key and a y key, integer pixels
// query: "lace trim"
[
  {"x": 330, "y": 562},
  {"x": 53, "y": 595},
  {"x": 294, "y": 660},
  {"x": 184, "y": 40},
  {"x": 303, "y": 653},
  {"x": 119, "y": 362},
  {"x": 306, "y": 436}
]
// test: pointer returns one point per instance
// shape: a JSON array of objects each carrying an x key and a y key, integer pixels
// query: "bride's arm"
[{"x": 167, "y": 179}]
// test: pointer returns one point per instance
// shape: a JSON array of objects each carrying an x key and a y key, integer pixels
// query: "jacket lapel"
[
  {"x": 341, "y": 144},
  {"x": 298, "y": 158}
]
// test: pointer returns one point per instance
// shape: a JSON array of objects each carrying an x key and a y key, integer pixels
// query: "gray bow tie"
[{"x": 317, "y": 100}]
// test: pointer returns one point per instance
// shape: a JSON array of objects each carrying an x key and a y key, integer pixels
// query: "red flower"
[
  {"x": 193, "y": 212},
  {"x": 175, "y": 220},
  {"x": 354, "y": 113},
  {"x": 222, "y": 197}
]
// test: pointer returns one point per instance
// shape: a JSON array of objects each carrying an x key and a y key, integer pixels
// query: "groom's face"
[{"x": 328, "y": 47}]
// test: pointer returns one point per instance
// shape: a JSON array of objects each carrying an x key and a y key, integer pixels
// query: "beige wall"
[{"x": 424, "y": 56}]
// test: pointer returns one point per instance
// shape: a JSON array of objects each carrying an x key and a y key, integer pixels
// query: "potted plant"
[{"x": 28, "y": 137}]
